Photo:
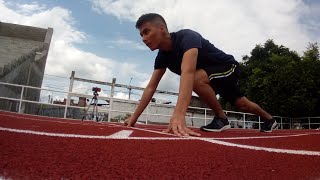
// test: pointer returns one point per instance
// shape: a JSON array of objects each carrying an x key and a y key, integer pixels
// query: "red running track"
[{"x": 34, "y": 147}]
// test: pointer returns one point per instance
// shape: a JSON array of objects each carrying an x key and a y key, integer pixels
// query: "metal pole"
[
  {"x": 309, "y": 123},
  {"x": 244, "y": 121},
  {"x": 111, "y": 96},
  {"x": 68, "y": 94},
  {"x": 281, "y": 123},
  {"x": 20, "y": 102},
  {"x": 147, "y": 116},
  {"x": 205, "y": 117},
  {"x": 191, "y": 119},
  {"x": 52, "y": 97},
  {"x": 259, "y": 122}
]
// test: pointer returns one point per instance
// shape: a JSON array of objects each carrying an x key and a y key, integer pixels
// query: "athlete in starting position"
[{"x": 203, "y": 68}]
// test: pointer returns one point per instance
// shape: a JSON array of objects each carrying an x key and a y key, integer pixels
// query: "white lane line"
[
  {"x": 226, "y": 138},
  {"x": 124, "y": 136},
  {"x": 147, "y": 130},
  {"x": 286, "y": 151},
  {"x": 154, "y": 131},
  {"x": 259, "y": 137},
  {"x": 20, "y": 118},
  {"x": 104, "y": 124},
  {"x": 233, "y": 138},
  {"x": 213, "y": 141},
  {"x": 121, "y": 134}
]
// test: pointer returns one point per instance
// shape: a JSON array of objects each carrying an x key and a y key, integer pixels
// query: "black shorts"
[{"x": 224, "y": 80}]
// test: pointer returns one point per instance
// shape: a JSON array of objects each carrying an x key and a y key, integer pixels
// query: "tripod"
[{"x": 95, "y": 107}]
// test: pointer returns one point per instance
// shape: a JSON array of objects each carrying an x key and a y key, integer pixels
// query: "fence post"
[
  {"x": 111, "y": 96},
  {"x": 147, "y": 115},
  {"x": 244, "y": 120},
  {"x": 281, "y": 123},
  {"x": 20, "y": 102},
  {"x": 68, "y": 94},
  {"x": 205, "y": 117},
  {"x": 309, "y": 123},
  {"x": 259, "y": 122}
]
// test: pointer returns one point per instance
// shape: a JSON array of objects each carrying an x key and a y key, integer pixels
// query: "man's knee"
[
  {"x": 201, "y": 78},
  {"x": 243, "y": 104}
]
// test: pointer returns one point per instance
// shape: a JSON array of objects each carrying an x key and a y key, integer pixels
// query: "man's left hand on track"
[{"x": 178, "y": 127}]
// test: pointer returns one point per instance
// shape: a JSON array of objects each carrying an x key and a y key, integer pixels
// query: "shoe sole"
[
  {"x": 272, "y": 127},
  {"x": 217, "y": 130}
]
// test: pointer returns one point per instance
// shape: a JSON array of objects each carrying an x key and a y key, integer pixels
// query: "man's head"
[{"x": 153, "y": 29}]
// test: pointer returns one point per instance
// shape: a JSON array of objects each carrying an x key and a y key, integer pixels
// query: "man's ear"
[{"x": 163, "y": 28}]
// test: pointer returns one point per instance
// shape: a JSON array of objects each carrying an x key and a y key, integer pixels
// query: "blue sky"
[
  {"x": 103, "y": 31},
  {"x": 98, "y": 39}
]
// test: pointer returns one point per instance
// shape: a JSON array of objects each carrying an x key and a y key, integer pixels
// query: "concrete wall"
[
  {"x": 23, "y": 32},
  {"x": 23, "y": 55},
  {"x": 13, "y": 52}
]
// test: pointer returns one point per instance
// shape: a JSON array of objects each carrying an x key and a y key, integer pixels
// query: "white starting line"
[{"x": 125, "y": 135}]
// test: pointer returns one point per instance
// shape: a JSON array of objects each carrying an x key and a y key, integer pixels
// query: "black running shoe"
[
  {"x": 217, "y": 125},
  {"x": 268, "y": 125}
]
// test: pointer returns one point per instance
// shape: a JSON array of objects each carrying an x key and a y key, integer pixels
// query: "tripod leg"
[
  {"x": 96, "y": 106},
  {"x": 86, "y": 112},
  {"x": 93, "y": 109}
]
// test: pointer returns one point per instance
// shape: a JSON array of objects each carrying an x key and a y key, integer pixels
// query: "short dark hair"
[{"x": 149, "y": 18}]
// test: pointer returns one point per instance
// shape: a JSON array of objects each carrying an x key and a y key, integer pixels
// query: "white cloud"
[
  {"x": 169, "y": 82},
  {"x": 233, "y": 26},
  {"x": 129, "y": 71},
  {"x": 121, "y": 96},
  {"x": 63, "y": 56},
  {"x": 30, "y": 8},
  {"x": 121, "y": 42},
  {"x": 311, "y": 20}
]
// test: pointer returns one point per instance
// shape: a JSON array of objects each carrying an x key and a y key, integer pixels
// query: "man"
[{"x": 203, "y": 68}]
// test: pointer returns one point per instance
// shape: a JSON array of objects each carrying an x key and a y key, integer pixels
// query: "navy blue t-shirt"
[{"x": 183, "y": 40}]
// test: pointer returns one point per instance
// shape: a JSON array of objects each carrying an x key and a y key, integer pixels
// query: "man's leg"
[
  {"x": 246, "y": 105},
  {"x": 203, "y": 88}
]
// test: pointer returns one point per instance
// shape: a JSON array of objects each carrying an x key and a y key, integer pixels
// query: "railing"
[{"x": 234, "y": 117}]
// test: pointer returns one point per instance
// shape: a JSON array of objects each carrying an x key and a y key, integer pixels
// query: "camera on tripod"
[
  {"x": 94, "y": 102},
  {"x": 96, "y": 89}
]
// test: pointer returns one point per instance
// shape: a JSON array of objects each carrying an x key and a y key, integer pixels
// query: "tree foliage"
[{"x": 282, "y": 82}]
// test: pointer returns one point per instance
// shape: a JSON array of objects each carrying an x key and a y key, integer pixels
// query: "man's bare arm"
[
  {"x": 146, "y": 96},
  {"x": 188, "y": 68}
]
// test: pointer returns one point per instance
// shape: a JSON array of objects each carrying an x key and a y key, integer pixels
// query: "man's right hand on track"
[{"x": 130, "y": 122}]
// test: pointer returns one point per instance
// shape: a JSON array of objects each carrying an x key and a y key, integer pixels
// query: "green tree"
[
  {"x": 282, "y": 82},
  {"x": 311, "y": 66}
]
